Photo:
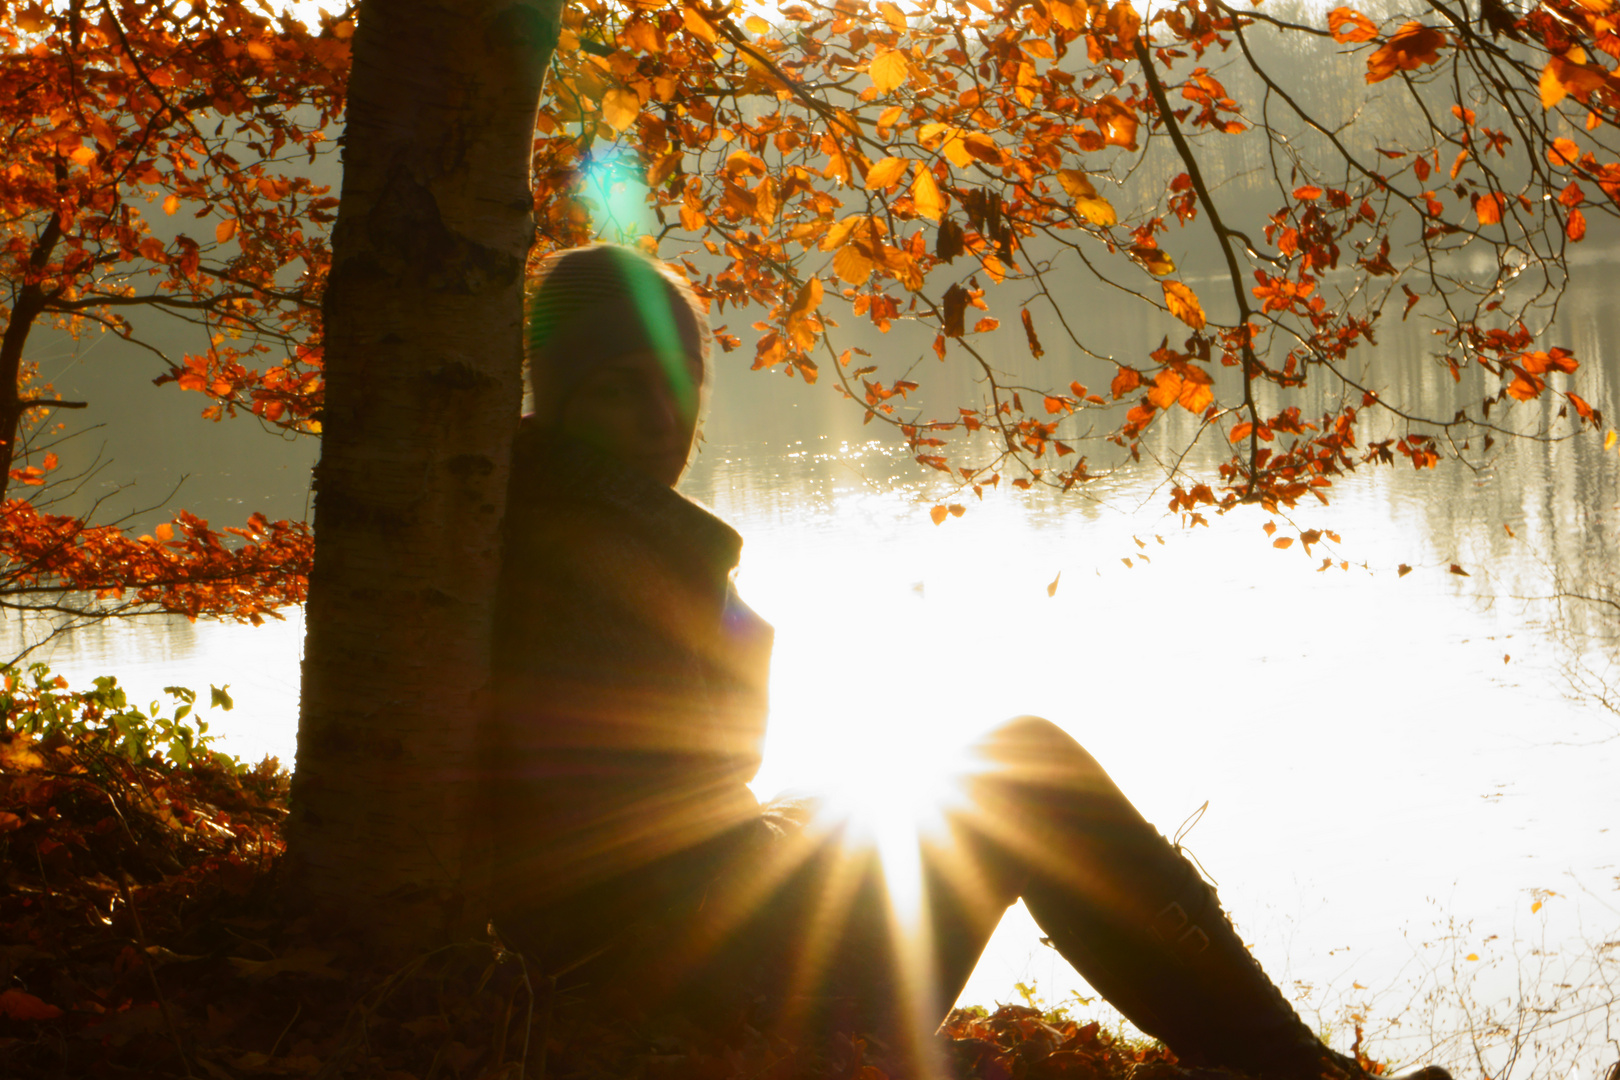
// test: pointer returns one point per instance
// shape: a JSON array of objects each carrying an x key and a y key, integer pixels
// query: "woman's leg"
[{"x": 1129, "y": 911}]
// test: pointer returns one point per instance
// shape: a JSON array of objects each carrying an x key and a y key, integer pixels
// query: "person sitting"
[{"x": 630, "y": 710}]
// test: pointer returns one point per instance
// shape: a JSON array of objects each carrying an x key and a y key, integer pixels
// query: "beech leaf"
[{"x": 1183, "y": 304}]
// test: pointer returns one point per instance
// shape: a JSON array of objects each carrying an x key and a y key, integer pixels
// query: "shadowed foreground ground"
[{"x": 137, "y": 939}]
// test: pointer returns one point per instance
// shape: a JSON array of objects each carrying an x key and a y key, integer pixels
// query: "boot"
[{"x": 1152, "y": 938}]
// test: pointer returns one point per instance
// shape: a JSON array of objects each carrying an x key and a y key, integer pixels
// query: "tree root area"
[{"x": 139, "y": 938}]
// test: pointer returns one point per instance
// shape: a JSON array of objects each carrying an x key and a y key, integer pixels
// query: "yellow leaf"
[
  {"x": 1051, "y": 590},
  {"x": 1183, "y": 304},
  {"x": 889, "y": 70},
  {"x": 1535, "y": 907},
  {"x": 925, "y": 193},
  {"x": 1610, "y": 439},
  {"x": 1472, "y": 956},
  {"x": 225, "y": 230},
  {"x": 696, "y": 24},
  {"x": 1097, "y": 210},
  {"x": 171, "y": 204},
  {"x": 938, "y": 513},
  {"x": 852, "y": 265},
  {"x": 757, "y": 26},
  {"x": 620, "y": 107},
  {"x": 1076, "y": 183},
  {"x": 893, "y": 16},
  {"x": 886, "y": 173},
  {"x": 956, "y": 151}
]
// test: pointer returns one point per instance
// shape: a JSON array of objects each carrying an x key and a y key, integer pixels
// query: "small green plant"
[
  {"x": 41, "y": 705},
  {"x": 1055, "y": 1011}
]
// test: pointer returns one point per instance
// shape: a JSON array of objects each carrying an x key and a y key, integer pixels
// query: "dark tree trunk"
[{"x": 423, "y": 356}]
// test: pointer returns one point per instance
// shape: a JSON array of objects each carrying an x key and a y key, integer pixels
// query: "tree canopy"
[
  {"x": 155, "y": 167},
  {"x": 954, "y": 166}
]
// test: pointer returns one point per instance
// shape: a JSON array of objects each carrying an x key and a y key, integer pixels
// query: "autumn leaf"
[
  {"x": 1308, "y": 192},
  {"x": 225, "y": 230},
  {"x": 19, "y": 1005},
  {"x": 1570, "y": 74},
  {"x": 1488, "y": 208},
  {"x": 1125, "y": 381},
  {"x": 1563, "y": 152},
  {"x": 1349, "y": 26},
  {"x": 938, "y": 513},
  {"x": 1087, "y": 203},
  {"x": 925, "y": 193},
  {"x": 698, "y": 26},
  {"x": 885, "y": 173},
  {"x": 620, "y": 107},
  {"x": 1035, "y": 349},
  {"x": 1155, "y": 260},
  {"x": 807, "y": 299},
  {"x": 1575, "y": 228},
  {"x": 171, "y": 204},
  {"x": 1195, "y": 396},
  {"x": 1166, "y": 389},
  {"x": 1051, "y": 589},
  {"x": 1411, "y": 47},
  {"x": 1402, "y": 570},
  {"x": 1459, "y": 571},
  {"x": 1183, "y": 304},
  {"x": 893, "y": 16},
  {"x": 889, "y": 70}
]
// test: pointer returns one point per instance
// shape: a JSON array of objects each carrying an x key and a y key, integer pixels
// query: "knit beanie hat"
[{"x": 594, "y": 303}]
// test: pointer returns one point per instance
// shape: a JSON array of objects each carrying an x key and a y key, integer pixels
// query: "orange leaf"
[
  {"x": 1127, "y": 380},
  {"x": 620, "y": 108},
  {"x": 1309, "y": 191},
  {"x": 1402, "y": 570},
  {"x": 1351, "y": 26},
  {"x": 19, "y": 1005},
  {"x": 1412, "y": 46},
  {"x": 1195, "y": 396},
  {"x": 1283, "y": 542},
  {"x": 1563, "y": 152},
  {"x": 1166, "y": 389},
  {"x": 1575, "y": 229},
  {"x": 225, "y": 230},
  {"x": 938, "y": 513},
  {"x": 1459, "y": 571},
  {"x": 1183, "y": 304},
  {"x": 171, "y": 204},
  {"x": 1051, "y": 590},
  {"x": 1489, "y": 208}
]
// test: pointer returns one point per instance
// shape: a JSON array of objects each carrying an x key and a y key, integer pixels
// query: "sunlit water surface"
[{"x": 1396, "y": 767}]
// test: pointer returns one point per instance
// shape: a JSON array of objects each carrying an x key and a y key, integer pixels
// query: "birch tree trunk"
[{"x": 423, "y": 354}]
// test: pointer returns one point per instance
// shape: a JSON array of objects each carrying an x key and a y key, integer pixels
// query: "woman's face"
[{"x": 638, "y": 410}]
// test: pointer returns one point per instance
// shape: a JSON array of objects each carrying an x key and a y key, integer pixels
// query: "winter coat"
[{"x": 630, "y": 698}]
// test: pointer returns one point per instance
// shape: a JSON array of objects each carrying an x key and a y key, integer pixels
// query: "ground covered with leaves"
[{"x": 139, "y": 937}]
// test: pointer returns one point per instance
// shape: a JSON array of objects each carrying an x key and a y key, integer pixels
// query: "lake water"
[{"x": 1397, "y": 768}]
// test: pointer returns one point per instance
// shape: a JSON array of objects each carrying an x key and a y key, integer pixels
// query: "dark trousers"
[{"x": 786, "y": 923}]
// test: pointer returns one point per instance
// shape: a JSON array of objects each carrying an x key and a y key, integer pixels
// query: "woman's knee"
[{"x": 1035, "y": 740}]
